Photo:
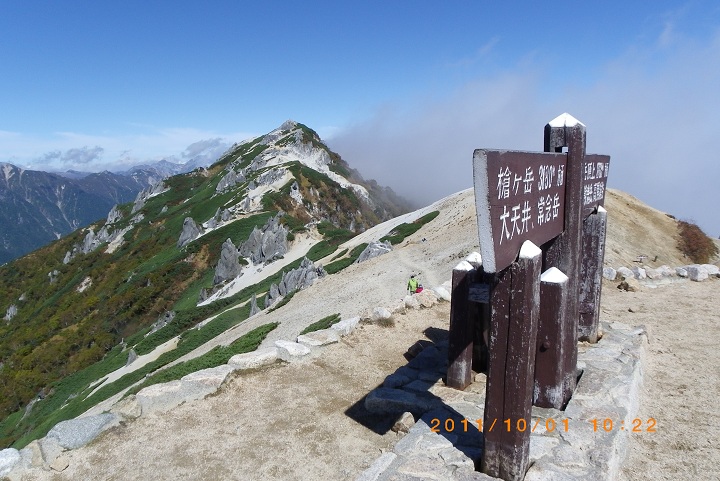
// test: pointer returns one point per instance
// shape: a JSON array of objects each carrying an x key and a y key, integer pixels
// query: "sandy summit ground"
[{"x": 306, "y": 420}]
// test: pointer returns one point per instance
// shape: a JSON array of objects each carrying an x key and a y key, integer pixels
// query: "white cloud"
[{"x": 77, "y": 150}]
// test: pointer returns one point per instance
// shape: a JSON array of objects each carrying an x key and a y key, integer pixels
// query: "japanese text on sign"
[
  {"x": 595, "y": 172},
  {"x": 522, "y": 217},
  {"x": 520, "y": 196}
]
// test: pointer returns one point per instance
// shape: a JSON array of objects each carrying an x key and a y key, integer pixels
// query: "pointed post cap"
[
  {"x": 565, "y": 120},
  {"x": 557, "y": 131}
]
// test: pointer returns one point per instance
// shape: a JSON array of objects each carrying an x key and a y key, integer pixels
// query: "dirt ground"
[
  {"x": 291, "y": 422},
  {"x": 682, "y": 379}
]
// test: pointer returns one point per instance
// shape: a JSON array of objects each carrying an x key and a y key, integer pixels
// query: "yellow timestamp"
[{"x": 636, "y": 425}]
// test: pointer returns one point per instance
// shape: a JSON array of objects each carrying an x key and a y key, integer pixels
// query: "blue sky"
[{"x": 404, "y": 91}]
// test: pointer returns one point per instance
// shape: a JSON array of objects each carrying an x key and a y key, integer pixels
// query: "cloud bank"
[{"x": 653, "y": 110}]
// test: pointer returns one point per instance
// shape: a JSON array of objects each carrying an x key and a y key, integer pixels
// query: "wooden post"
[
  {"x": 460, "y": 352},
  {"x": 593, "y": 254},
  {"x": 563, "y": 252},
  {"x": 515, "y": 301},
  {"x": 555, "y": 336}
]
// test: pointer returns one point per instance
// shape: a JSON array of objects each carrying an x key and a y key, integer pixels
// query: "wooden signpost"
[{"x": 542, "y": 232}]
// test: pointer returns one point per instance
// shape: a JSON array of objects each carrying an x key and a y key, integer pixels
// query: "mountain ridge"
[{"x": 92, "y": 293}]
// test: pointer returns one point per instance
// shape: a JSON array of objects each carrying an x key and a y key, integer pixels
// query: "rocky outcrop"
[
  {"x": 114, "y": 215},
  {"x": 295, "y": 193},
  {"x": 229, "y": 264},
  {"x": 164, "y": 319},
  {"x": 190, "y": 232},
  {"x": 92, "y": 241},
  {"x": 11, "y": 312},
  {"x": 145, "y": 194},
  {"x": 230, "y": 180},
  {"x": 270, "y": 176},
  {"x": 266, "y": 244},
  {"x": 300, "y": 278},
  {"x": 53, "y": 276},
  {"x": 374, "y": 249},
  {"x": 254, "y": 309},
  {"x": 221, "y": 216}
]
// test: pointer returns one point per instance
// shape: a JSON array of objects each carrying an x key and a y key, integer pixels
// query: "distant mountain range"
[{"x": 38, "y": 207}]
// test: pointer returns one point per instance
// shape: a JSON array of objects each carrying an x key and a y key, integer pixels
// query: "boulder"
[
  {"x": 225, "y": 215},
  {"x": 625, "y": 273},
  {"x": 162, "y": 321},
  {"x": 404, "y": 424},
  {"x": 426, "y": 298},
  {"x": 609, "y": 273},
  {"x": 266, "y": 244},
  {"x": 697, "y": 273},
  {"x": 322, "y": 337},
  {"x": 380, "y": 313},
  {"x": 666, "y": 271},
  {"x": 290, "y": 351},
  {"x": 442, "y": 293},
  {"x": 132, "y": 357},
  {"x": 297, "y": 279},
  {"x": 196, "y": 385},
  {"x": 77, "y": 432},
  {"x": 411, "y": 302},
  {"x": 681, "y": 271},
  {"x": 374, "y": 249},
  {"x": 654, "y": 274},
  {"x": 229, "y": 180},
  {"x": 255, "y": 359},
  {"x": 639, "y": 273},
  {"x": 8, "y": 459},
  {"x": 346, "y": 326},
  {"x": 712, "y": 269}
]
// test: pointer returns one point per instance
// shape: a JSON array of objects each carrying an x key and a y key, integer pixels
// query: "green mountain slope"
[{"x": 75, "y": 309}]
